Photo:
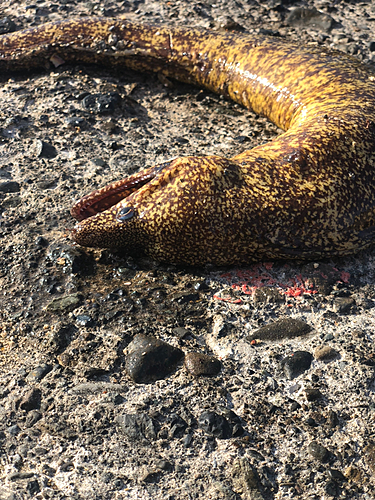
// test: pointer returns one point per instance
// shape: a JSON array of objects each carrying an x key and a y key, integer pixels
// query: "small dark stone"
[
  {"x": 177, "y": 425},
  {"x": 101, "y": 103},
  {"x": 242, "y": 138},
  {"x": 163, "y": 465},
  {"x": 287, "y": 328},
  {"x": 227, "y": 23},
  {"x": 9, "y": 187},
  {"x": 295, "y": 406},
  {"x": 333, "y": 419},
  {"x": 39, "y": 451},
  {"x": 318, "y": 451},
  {"x": 38, "y": 373},
  {"x": 33, "y": 487},
  {"x": 343, "y": 305},
  {"x": 214, "y": 425},
  {"x": 7, "y": 25},
  {"x": 31, "y": 400},
  {"x": 325, "y": 353},
  {"x": 65, "y": 304},
  {"x": 138, "y": 427},
  {"x": 44, "y": 150},
  {"x": 331, "y": 488},
  {"x": 181, "y": 140},
  {"x": 313, "y": 394},
  {"x": 13, "y": 430},
  {"x": 13, "y": 476},
  {"x": 199, "y": 364},
  {"x": 302, "y": 16},
  {"x": 48, "y": 471},
  {"x": 150, "y": 476},
  {"x": 180, "y": 332},
  {"x": 188, "y": 440},
  {"x": 295, "y": 365},
  {"x": 336, "y": 475},
  {"x": 201, "y": 286},
  {"x": 150, "y": 359},
  {"x": 41, "y": 242},
  {"x": 369, "y": 454},
  {"x": 75, "y": 121},
  {"x": 84, "y": 320},
  {"x": 311, "y": 422}
]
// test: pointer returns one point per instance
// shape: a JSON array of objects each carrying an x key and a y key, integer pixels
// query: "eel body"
[{"x": 308, "y": 194}]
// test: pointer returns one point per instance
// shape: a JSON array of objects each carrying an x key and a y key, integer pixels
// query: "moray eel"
[{"x": 308, "y": 194}]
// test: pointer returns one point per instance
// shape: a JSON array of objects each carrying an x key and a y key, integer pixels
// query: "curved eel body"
[{"x": 310, "y": 193}]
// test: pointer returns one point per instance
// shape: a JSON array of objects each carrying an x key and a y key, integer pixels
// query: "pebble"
[
  {"x": 7, "y": 25},
  {"x": 31, "y": 400},
  {"x": 99, "y": 104},
  {"x": 286, "y": 328},
  {"x": 313, "y": 394},
  {"x": 353, "y": 474},
  {"x": 245, "y": 480},
  {"x": 325, "y": 353},
  {"x": 215, "y": 425},
  {"x": 13, "y": 430},
  {"x": 318, "y": 451},
  {"x": 40, "y": 241},
  {"x": 177, "y": 425},
  {"x": 65, "y": 304},
  {"x": 84, "y": 320},
  {"x": 198, "y": 364},
  {"x": 9, "y": 187},
  {"x": 37, "y": 373},
  {"x": 331, "y": 488},
  {"x": 43, "y": 149},
  {"x": 181, "y": 332},
  {"x": 302, "y": 16},
  {"x": 150, "y": 359},
  {"x": 75, "y": 121},
  {"x": 333, "y": 419},
  {"x": 343, "y": 305},
  {"x": 336, "y": 475},
  {"x": 20, "y": 475},
  {"x": 369, "y": 454},
  {"x": 138, "y": 427},
  {"x": 296, "y": 364}
]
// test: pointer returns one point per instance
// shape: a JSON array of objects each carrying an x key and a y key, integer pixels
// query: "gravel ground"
[{"x": 127, "y": 379}]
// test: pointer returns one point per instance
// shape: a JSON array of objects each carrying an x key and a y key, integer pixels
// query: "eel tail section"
[{"x": 309, "y": 193}]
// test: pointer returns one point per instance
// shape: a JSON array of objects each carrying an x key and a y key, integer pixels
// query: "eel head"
[{"x": 170, "y": 212}]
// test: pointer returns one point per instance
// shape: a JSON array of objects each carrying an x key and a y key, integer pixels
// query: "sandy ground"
[{"x": 68, "y": 314}]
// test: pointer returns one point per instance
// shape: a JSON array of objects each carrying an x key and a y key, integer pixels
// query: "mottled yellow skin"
[{"x": 307, "y": 194}]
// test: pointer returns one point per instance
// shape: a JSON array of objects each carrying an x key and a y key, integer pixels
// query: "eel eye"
[{"x": 125, "y": 213}]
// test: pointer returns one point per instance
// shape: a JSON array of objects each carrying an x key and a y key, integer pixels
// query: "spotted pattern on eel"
[{"x": 308, "y": 194}]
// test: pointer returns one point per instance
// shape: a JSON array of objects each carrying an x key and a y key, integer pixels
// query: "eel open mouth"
[
  {"x": 102, "y": 199},
  {"x": 106, "y": 197}
]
